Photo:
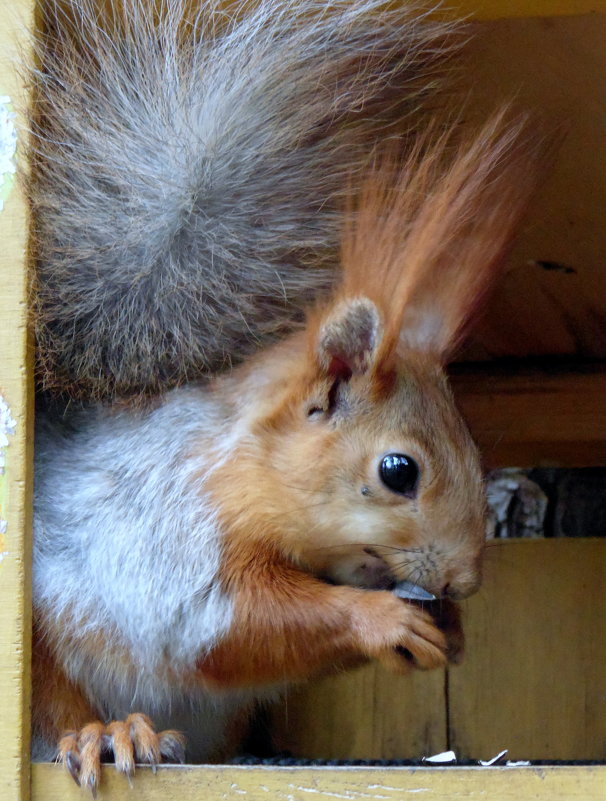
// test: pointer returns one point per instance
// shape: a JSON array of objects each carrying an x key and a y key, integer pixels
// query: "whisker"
[
  {"x": 415, "y": 576},
  {"x": 370, "y": 545},
  {"x": 410, "y": 568},
  {"x": 395, "y": 548},
  {"x": 405, "y": 563}
]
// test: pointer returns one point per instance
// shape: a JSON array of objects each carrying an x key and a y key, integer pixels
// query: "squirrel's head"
[
  {"x": 370, "y": 473},
  {"x": 375, "y": 476}
]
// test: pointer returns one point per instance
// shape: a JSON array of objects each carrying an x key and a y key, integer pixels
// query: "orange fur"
[
  {"x": 59, "y": 705},
  {"x": 289, "y": 626},
  {"x": 433, "y": 228},
  {"x": 430, "y": 233},
  {"x": 311, "y": 535},
  {"x": 265, "y": 493},
  {"x": 62, "y": 714}
]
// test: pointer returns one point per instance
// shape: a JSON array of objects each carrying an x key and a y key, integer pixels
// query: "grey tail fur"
[{"x": 189, "y": 171}]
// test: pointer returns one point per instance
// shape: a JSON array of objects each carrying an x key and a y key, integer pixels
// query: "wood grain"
[
  {"x": 15, "y": 594},
  {"x": 365, "y": 714},
  {"x": 553, "y": 299},
  {"x": 527, "y": 417},
  {"x": 327, "y": 784},
  {"x": 534, "y": 678}
]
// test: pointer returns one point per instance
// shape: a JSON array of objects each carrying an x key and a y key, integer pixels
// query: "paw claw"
[
  {"x": 172, "y": 746},
  {"x": 126, "y": 740},
  {"x": 71, "y": 760},
  {"x": 144, "y": 739}
]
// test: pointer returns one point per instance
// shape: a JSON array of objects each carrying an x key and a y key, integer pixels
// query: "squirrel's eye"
[{"x": 400, "y": 473}]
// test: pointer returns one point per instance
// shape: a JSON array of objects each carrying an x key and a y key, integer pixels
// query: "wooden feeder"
[{"x": 534, "y": 679}]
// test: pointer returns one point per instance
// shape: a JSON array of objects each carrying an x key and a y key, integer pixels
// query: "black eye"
[{"x": 400, "y": 473}]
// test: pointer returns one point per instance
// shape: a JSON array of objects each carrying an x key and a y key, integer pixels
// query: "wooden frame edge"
[
  {"x": 16, "y": 391},
  {"x": 212, "y": 783},
  {"x": 202, "y": 782}
]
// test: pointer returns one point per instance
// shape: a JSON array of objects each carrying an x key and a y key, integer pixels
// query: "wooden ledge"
[
  {"x": 212, "y": 783},
  {"x": 531, "y": 417}
]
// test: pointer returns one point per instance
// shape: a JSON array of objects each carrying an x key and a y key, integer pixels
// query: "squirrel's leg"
[
  {"x": 289, "y": 625},
  {"x": 62, "y": 714},
  {"x": 58, "y": 705}
]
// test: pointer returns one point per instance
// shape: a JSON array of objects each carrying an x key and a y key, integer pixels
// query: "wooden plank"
[
  {"x": 534, "y": 679},
  {"x": 325, "y": 784},
  {"x": 15, "y": 485},
  {"x": 531, "y": 418},
  {"x": 365, "y": 714},
  {"x": 553, "y": 298}
]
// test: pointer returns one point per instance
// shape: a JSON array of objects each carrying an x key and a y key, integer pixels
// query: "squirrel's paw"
[
  {"x": 400, "y": 634},
  {"x": 128, "y": 741}
]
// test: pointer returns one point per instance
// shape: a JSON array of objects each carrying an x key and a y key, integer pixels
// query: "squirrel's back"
[{"x": 188, "y": 173}]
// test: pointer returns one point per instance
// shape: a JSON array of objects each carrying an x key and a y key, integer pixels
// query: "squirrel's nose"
[{"x": 458, "y": 591}]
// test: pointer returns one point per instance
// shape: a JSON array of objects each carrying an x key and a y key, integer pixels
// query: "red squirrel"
[{"x": 244, "y": 532}]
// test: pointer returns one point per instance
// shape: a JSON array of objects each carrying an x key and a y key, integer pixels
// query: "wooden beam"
[
  {"x": 15, "y": 438},
  {"x": 535, "y": 417},
  {"x": 567, "y": 783},
  {"x": 552, "y": 297}
]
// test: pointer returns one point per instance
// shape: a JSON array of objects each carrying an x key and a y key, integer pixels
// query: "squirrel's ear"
[{"x": 348, "y": 337}]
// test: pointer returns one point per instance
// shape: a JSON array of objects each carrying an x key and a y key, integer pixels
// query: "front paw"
[
  {"x": 397, "y": 633},
  {"x": 130, "y": 740}
]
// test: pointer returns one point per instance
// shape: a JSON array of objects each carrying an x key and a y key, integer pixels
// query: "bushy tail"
[{"x": 188, "y": 172}]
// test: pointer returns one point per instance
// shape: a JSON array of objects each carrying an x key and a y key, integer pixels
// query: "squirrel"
[
  {"x": 244, "y": 531},
  {"x": 190, "y": 172}
]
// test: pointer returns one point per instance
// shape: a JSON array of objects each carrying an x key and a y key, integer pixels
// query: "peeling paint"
[
  {"x": 7, "y": 428},
  {"x": 8, "y": 146},
  {"x": 346, "y": 795}
]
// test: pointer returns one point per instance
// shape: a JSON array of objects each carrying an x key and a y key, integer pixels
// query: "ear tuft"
[
  {"x": 349, "y": 337},
  {"x": 433, "y": 228}
]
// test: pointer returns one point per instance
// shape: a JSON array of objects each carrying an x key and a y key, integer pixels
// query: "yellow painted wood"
[
  {"x": 366, "y": 714},
  {"x": 49, "y": 783},
  {"x": 535, "y": 417},
  {"x": 534, "y": 679},
  {"x": 15, "y": 595},
  {"x": 327, "y": 784}
]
